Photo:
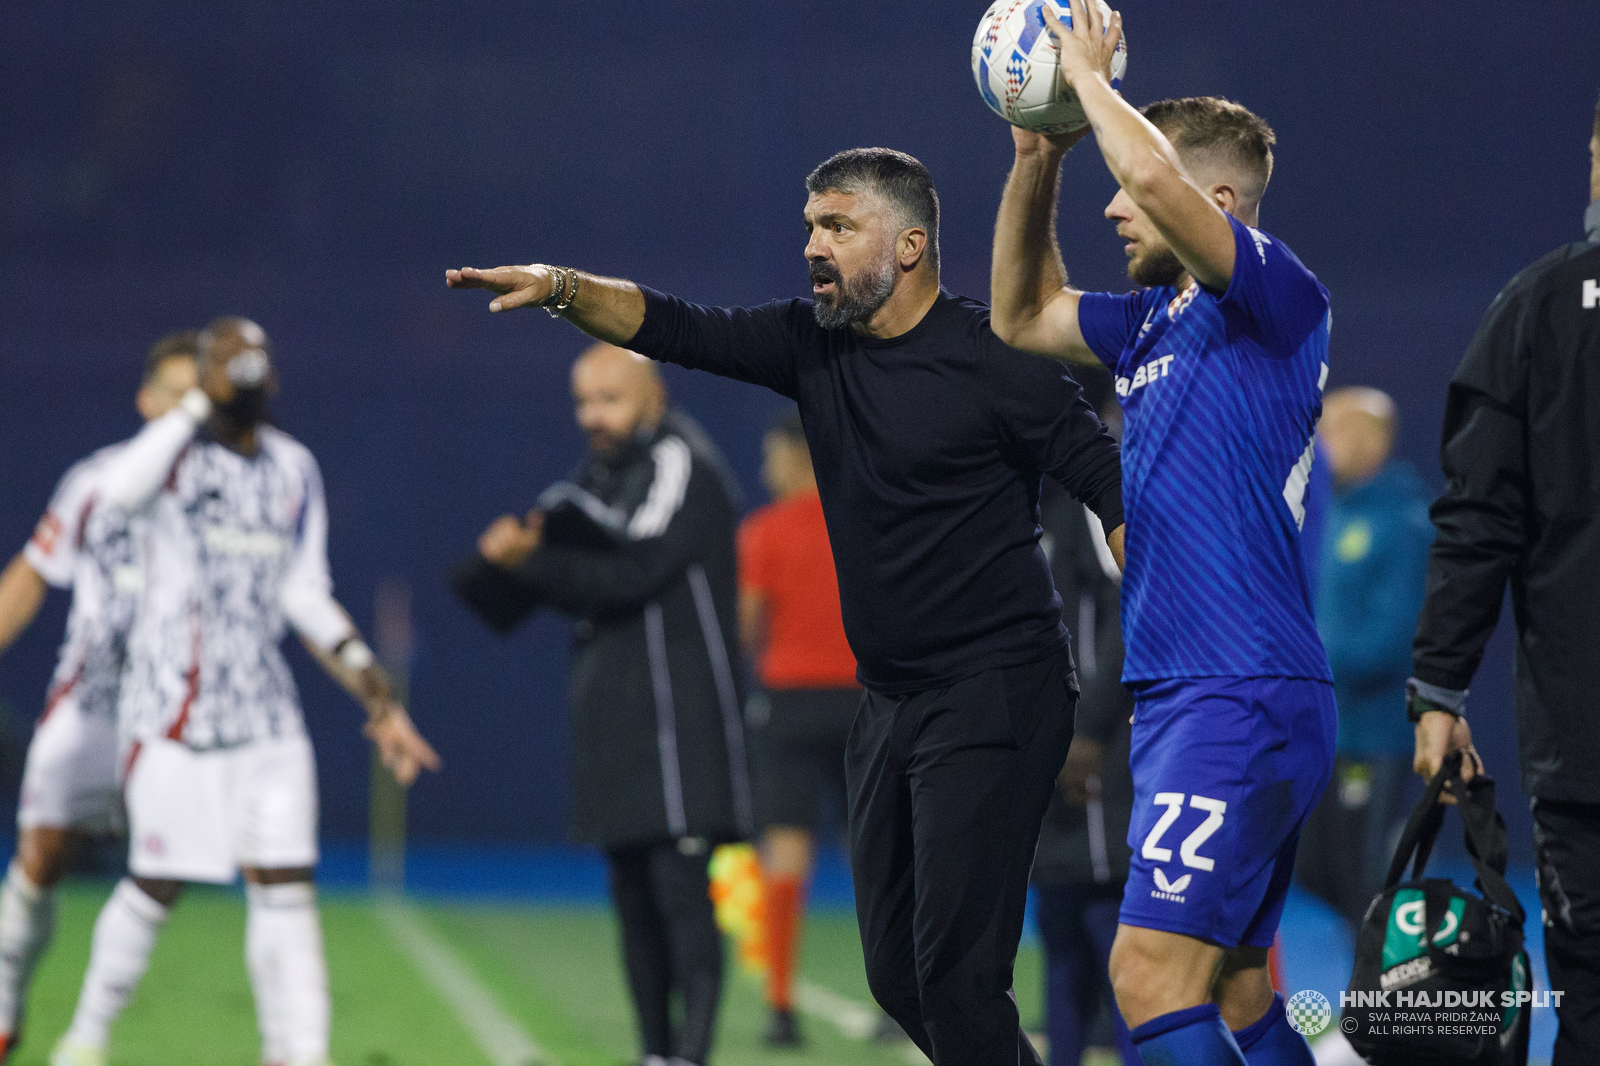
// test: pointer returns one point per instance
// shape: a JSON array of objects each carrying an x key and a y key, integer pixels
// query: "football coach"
[
  {"x": 929, "y": 437},
  {"x": 1522, "y": 504},
  {"x": 638, "y": 547}
]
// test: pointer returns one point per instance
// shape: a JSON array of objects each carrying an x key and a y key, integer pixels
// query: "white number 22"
[{"x": 1173, "y": 802}]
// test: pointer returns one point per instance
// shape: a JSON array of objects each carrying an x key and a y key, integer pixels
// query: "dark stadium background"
[{"x": 318, "y": 166}]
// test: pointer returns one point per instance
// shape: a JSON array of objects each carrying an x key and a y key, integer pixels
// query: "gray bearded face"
[{"x": 858, "y": 297}]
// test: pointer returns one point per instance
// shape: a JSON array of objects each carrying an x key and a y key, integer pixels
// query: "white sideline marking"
[
  {"x": 854, "y": 1020},
  {"x": 504, "y": 1041}
]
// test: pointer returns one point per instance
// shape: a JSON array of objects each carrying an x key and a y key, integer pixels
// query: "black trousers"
[
  {"x": 947, "y": 789},
  {"x": 1566, "y": 838},
  {"x": 670, "y": 943}
]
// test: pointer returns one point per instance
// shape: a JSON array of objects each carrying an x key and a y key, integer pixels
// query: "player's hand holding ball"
[
  {"x": 1088, "y": 47},
  {"x": 1032, "y": 142},
  {"x": 516, "y": 286}
]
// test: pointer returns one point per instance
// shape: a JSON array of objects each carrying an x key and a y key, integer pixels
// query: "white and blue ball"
[{"x": 1017, "y": 66}]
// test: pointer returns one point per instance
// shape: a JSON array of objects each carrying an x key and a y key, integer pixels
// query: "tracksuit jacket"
[
  {"x": 1522, "y": 460},
  {"x": 658, "y": 744}
]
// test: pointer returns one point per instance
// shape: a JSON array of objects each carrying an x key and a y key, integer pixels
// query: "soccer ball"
[{"x": 1017, "y": 67}]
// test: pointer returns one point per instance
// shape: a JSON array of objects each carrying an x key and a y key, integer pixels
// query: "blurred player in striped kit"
[
  {"x": 1220, "y": 360},
  {"x": 218, "y": 771},
  {"x": 69, "y": 785},
  {"x": 789, "y": 617}
]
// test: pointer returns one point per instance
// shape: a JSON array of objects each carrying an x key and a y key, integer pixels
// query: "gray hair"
[{"x": 897, "y": 177}]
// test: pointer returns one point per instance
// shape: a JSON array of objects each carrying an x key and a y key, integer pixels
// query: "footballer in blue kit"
[{"x": 1219, "y": 361}]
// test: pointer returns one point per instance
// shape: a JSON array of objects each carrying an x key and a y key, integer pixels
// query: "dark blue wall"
[{"x": 318, "y": 166}]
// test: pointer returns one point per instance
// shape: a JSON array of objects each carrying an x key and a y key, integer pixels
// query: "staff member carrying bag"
[{"x": 1521, "y": 449}]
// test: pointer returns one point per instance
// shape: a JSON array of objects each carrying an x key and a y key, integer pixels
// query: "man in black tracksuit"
[
  {"x": 1082, "y": 864},
  {"x": 639, "y": 547},
  {"x": 1522, "y": 458},
  {"x": 928, "y": 436}
]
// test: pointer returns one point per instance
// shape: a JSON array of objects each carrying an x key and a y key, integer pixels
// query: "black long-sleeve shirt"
[
  {"x": 928, "y": 449},
  {"x": 1521, "y": 457}
]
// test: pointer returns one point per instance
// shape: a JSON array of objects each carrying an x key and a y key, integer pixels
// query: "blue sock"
[
  {"x": 1195, "y": 1036},
  {"x": 1272, "y": 1041}
]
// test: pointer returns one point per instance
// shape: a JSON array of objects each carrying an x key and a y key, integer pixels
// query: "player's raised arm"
[
  {"x": 136, "y": 474},
  {"x": 1140, "y": 157},
  {"x": 1031, "y": 307},
  {"x": 609, "y": 309}
]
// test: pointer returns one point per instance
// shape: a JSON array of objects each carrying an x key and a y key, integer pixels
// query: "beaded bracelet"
[
  {"x": 558, "y": 283},
  {"x": 570, "y": 294}
]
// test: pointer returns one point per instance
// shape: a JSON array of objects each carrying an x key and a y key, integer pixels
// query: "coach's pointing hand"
[
  {"x": 516, "y": 286},
  {"x": 608, "y": 309},
  {"x": 1088, "y": 47}
]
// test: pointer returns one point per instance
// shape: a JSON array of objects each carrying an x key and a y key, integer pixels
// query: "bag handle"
[
  {"x": 1423, "y": 826},
  {"x": 1485, "y": 833},
  {"x": 1486, "y": 840}
]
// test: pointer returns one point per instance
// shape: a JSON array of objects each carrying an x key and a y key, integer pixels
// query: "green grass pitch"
[{"x": 554, "y": 970}]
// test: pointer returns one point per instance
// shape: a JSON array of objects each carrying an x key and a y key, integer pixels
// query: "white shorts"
[
  {"x": 70, "y": 779},
  {"x": 201, "y": 815}
]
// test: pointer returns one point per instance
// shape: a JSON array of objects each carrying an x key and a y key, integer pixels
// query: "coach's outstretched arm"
[
  {"x": 751, "y": 344},
  {"x": 1031, "y": 306},
  {"x": 1139, "y": 156},
  {"x": 608, "y": 309}
]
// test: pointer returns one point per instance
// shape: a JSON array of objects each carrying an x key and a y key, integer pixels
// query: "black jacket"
[
  {"x": 1089, "y": 844},
  {"x": 1522, "y": 504},
  {"x": 658, "y": 745}
]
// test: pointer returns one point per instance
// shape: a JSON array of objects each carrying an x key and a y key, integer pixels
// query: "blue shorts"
[{"x": 1225, "y": 771}]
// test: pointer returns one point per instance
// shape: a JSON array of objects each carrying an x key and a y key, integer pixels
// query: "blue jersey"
[{"x": 1221, "y": 395}]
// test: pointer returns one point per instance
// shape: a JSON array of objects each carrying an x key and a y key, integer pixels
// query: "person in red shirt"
[{"x": 790, "y": 621}]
